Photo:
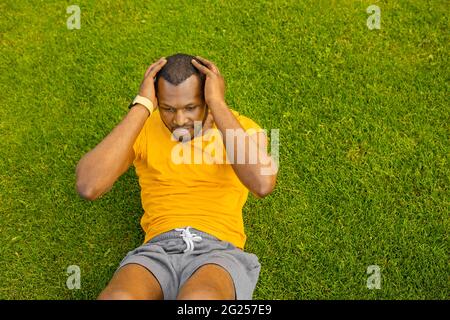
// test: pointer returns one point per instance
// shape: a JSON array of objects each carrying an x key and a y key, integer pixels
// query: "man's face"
[{"x": 181, "y": 105}]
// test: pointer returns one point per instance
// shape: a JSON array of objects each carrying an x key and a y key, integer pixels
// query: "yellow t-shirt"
[{"x": 203, "y": 193}]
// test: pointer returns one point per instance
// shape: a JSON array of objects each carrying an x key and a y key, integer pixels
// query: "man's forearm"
[
  {"x": 99, "y": 168},
  {"x": 250, "y": 173}
]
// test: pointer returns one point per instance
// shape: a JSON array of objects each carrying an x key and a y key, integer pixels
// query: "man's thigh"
[
  {"x": 132, "y": 282},
  {"x": 209, "y": 281}
]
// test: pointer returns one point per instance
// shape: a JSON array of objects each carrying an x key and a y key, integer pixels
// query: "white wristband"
[{"x": 145, "y": 102}]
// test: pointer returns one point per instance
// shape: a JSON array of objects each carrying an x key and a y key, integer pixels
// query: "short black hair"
[{"x": 177, "y": 69}]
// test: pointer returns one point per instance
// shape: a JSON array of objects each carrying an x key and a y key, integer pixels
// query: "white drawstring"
[{"x": 189, "y": 238}]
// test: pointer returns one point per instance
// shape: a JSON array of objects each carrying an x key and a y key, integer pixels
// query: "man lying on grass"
[{"x": 196, "y": 160}]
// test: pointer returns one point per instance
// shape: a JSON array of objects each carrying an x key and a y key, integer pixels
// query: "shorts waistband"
[{"x": 174, "y": 234}]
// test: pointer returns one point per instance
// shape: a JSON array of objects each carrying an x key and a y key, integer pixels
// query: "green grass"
[{"x": 363, "y": 118}]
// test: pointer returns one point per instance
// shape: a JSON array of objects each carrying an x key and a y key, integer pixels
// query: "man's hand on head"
[
  {"x": 214, "y": 84},
  {"x": 147, "y": 88}
]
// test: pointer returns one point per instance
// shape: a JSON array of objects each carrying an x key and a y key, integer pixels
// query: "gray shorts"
[{"x": 172, "y": 257}]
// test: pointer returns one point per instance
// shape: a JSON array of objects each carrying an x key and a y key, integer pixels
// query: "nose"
[{"x": 180, "y": 118}]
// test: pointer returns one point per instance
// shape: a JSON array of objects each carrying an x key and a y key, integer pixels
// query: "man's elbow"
[
  {"x": 84, "y": 186},
  {"x": 86, "y": 192},
  {"x": 264, "y": 192},
  {"x": 265, "y": 188}
]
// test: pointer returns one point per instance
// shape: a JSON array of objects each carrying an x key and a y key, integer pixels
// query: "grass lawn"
[{"x": 364, "y": 128}]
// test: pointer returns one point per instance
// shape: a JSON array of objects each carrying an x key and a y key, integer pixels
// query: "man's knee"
[
  {"x": 209, "y": 282},
  {"x": 117, "y": 295},
  {"x": 200, "y": 295}
]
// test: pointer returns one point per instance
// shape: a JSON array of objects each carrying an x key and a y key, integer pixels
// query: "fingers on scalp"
[
  {"x": 211, "y": 66},
  {"x": 148, "y": 71},
  {"x": 157, "y": 66},
  {"x": 199, "y": 66},
  {"x": 195, "y": 60},
  {"x": 205, "y": 62},
  {"x": 208, "y": 63},
  {"x": 201, "y": 59}
]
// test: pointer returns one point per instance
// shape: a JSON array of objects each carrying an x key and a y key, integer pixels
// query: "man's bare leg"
[
  {"x": 209, "y": 282},
  {"x": 132, "y": 282}
]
